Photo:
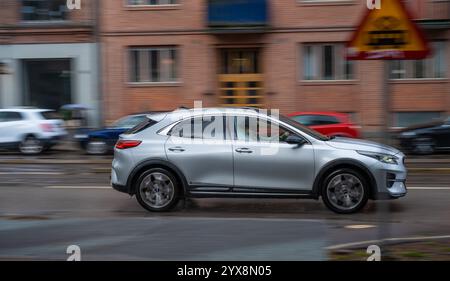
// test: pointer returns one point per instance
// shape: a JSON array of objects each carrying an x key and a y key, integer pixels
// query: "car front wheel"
[
  {"x": 157, "y": 190},
  {"x": 31, "y": 146},
  {"x": 345, "y": 191}
]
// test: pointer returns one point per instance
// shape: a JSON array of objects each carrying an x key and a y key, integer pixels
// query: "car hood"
[
  {"x": 362, "y": 145},
  {"x": 422, "y": 126}
]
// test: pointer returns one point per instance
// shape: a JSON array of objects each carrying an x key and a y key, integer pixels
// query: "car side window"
[
  {"x": 316, "y": 120},
  {"x": 325, "y": 120},
  {"x": 252, "y": 129},
  {"x": 205, "y": 127},
  {"x": 9, "y": 116}
]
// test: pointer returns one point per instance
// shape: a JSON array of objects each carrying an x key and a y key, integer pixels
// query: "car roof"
[
  {"x": 25, "y": 109},
  {"x": 184, "y": 113}
]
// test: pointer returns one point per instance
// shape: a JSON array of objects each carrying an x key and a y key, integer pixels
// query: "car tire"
[
  {"x": 345, "y": 191},
  {"x": 96, "y": 147},
  {"x": 423, "y": 146},
  {"x": 157, "y": 190},
  {"x": 31, "y": 145}
]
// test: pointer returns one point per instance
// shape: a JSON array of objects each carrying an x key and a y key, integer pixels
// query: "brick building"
[
  {"x": 160, "y": 54},
  {"x": 48, "y": 55}
]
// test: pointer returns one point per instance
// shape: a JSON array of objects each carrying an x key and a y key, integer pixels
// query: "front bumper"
[{"x": 390, "y": 180}]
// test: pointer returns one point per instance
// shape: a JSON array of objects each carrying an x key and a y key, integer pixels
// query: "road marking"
[
  {"x": 428, "y": 188},
  {"x": 397, "y": 239},
  {"x": 359, "y": 226},
  {"x": 76, "y": 187},
  {"x": 32, "y": 173}
]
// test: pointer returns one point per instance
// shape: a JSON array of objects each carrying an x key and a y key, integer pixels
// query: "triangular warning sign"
[{"x": 388, "y": 33}]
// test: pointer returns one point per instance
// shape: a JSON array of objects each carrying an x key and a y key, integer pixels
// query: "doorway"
[
  {"x": 240, "y": 78},
  {"x": 47, "y": 83}
]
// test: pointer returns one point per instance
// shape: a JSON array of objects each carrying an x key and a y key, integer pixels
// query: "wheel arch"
[
  {"x": 155, "y": 163},
  {"x": 344, "y": 163}
]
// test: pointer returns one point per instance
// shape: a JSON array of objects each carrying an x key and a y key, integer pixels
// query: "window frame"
[
  {"x": 339, "y": 63},
  {"x": 408, "y": 67},
  {"x": 131, "y": 75},
  {"x": 66, "y": 17},
  {"x": 139, "y": 7}
]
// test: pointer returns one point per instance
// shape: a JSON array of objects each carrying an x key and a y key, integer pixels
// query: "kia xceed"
[{"x": 242, "y": 152}]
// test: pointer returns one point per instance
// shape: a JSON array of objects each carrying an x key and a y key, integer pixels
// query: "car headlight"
[
  {"x": 384, "y": 158},
  {"x": 408, "y": 134},
  {"x": 80, "y": 136}
]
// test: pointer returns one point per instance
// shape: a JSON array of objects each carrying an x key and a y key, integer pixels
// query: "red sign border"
[{"x": 405, "y": 55}]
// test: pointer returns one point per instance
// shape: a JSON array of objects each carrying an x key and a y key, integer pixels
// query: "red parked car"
[{"x": 328, "y": 123}]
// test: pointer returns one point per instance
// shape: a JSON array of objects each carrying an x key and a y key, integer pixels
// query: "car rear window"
[{"x": 147, "y": 123}]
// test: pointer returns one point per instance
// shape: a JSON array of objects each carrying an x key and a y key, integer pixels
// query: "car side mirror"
[{"x": 294, "y": 139}]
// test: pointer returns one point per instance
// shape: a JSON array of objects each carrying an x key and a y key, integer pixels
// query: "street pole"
[{"x": 384, "y": 217}]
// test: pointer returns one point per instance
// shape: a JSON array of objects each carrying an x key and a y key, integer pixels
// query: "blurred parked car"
[
  {"x": 102, "y": 141},
  {"x": 426, "y": 138},
  {"x": 331, "y": 124},
  {"x": 31, "y": 130}
]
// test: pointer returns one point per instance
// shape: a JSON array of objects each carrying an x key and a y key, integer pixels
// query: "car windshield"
[
  {"x": 303, "y": 128},
  {"x": 128, "y": 122}
]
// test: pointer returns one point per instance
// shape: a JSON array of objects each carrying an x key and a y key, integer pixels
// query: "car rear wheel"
[
  {"x": 96, "y": 147},
  {"x": 157, "y": 190},
  {"x": 345, "y": 191},
  {"x": 31, "y": 146}
]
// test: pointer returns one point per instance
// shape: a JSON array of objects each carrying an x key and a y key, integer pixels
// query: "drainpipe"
[{"x": 97, "y": 39}]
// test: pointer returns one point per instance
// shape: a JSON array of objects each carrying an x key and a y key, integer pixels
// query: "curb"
[{"x": 390, "y": 241}]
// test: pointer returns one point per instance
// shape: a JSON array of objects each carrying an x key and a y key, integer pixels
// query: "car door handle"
[
  {"x": 177, "y": 149},
  {"x": 244, "y": 150}
]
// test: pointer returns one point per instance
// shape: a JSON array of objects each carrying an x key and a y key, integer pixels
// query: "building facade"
[
  {"x": 48, "y": 55},
  {"x": 160, "y": 54}
]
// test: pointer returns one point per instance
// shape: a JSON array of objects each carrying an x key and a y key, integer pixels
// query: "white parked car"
[{"x": 31, "y": 130}]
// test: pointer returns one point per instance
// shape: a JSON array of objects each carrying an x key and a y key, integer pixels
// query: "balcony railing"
[{"x": 231, "y": 14}]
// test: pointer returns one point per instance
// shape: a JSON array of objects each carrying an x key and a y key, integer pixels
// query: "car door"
[
  {"x": 199, "y": 148},
  {"x": 264, "y": 162}
]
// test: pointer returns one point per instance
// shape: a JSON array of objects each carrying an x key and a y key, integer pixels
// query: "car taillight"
[
  {"x": 47, "y": 127},
  {"x": 124, "y": 144}
]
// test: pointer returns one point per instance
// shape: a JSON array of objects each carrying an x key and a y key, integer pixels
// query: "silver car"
[{"x": 242, "y": 152}]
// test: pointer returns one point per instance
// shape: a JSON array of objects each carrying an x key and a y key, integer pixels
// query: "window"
[
  {"x": 129, "y": 122},
  {"x": 433, "y": 67},
  {"x": 316, "y": 120},
  {"x": 405, "y": 119},
  {"x": 44, "y": 10},
  {"x": 206, "y": 127},
  {"x": 151, "y": 2},
  {"x": 326, "y": 62},
  {"x": 8, "y": 116},
  {"x": 153, "y": 64},
  {"x": 251, "y": 129}
]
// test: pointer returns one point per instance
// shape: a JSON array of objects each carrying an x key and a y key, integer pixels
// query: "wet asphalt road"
[{"x": 45, "y": 208}]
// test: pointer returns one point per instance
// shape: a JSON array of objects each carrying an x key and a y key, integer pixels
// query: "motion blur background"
[
  {"x": 114, "y": 58},
  {"x": 127, "y": 56}
]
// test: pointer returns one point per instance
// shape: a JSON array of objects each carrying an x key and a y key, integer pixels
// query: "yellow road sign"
[{"x": 388, "y": 33}]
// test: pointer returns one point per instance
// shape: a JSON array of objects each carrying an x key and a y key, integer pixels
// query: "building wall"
[
  {"x": 72, "y": 38},
  {"x": 292, "y": 23}
]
